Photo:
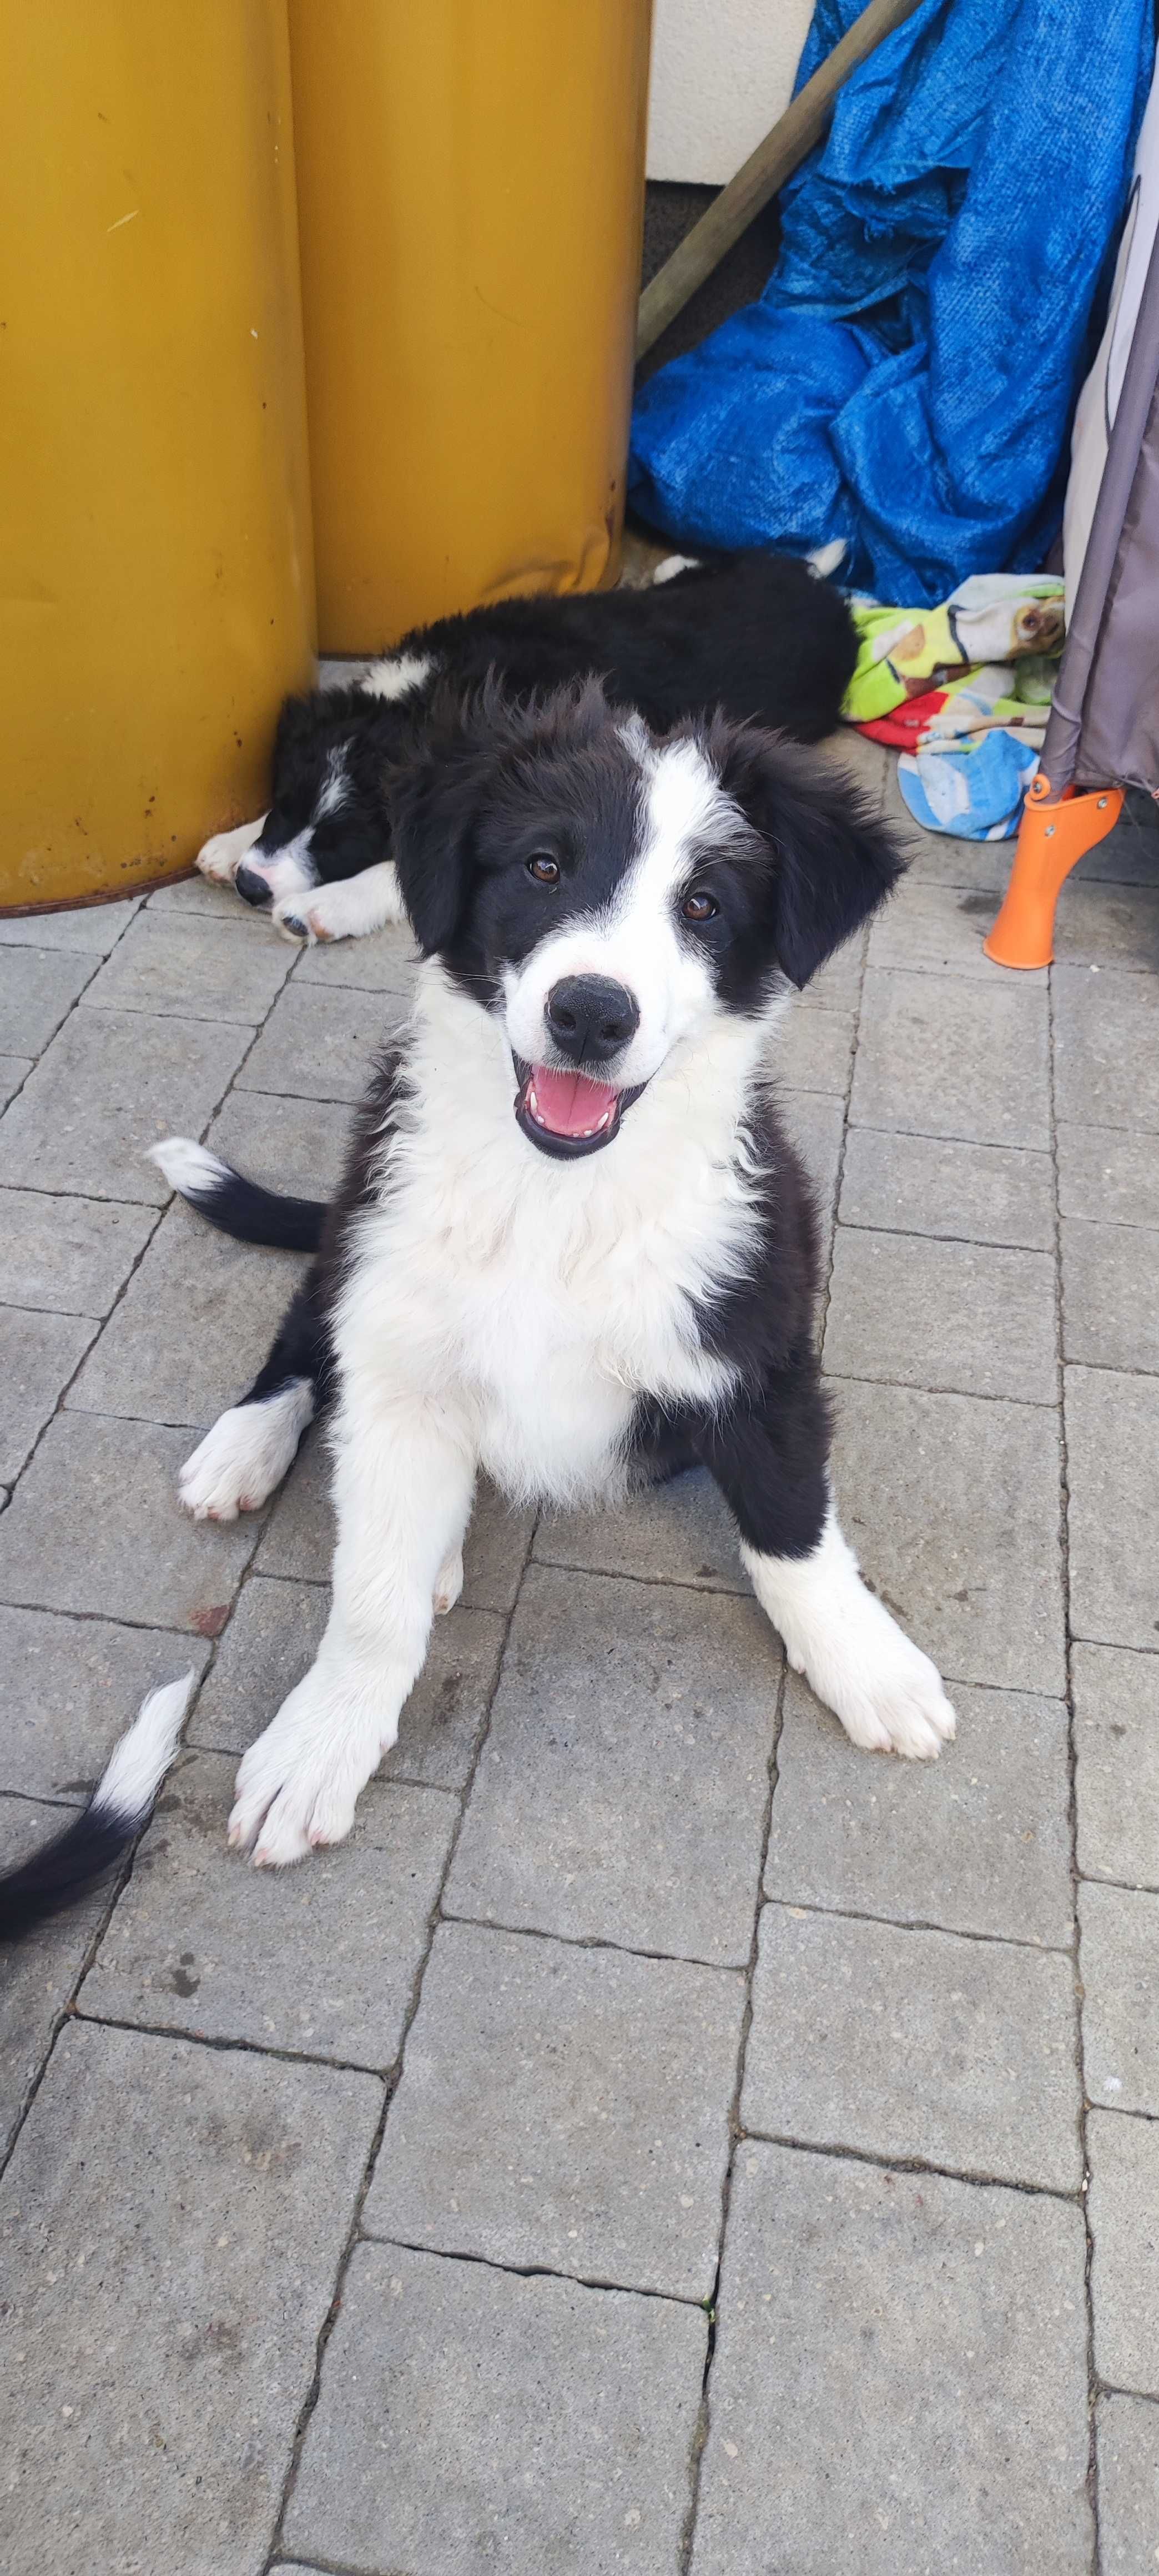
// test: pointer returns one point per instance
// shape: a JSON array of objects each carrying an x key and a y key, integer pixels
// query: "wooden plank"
[{"x": 766, "y": 170}]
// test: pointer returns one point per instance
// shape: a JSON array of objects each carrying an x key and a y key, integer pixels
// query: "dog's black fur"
[{"x": 758, "y": 635}]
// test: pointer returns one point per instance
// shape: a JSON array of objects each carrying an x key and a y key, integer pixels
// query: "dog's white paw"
[
  {"x": 887, "y": 1694},
  {"x": 237, "y": 1465},
  {"x": 448, "y": 1585},
  {"x": 293, "y": 918},
  {"x": 220, "y": 857},
  {"x": 298, "y": 1786}
]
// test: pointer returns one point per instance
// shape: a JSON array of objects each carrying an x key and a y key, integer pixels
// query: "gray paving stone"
[
  {"x": 565, "y": 2108},
  {"x": 37, "y": 1979},
  {"x": 67, "y": 1256},
  {"x": 1112, "y": 1427},
  {"x": 321, "y": 1959},
  {"x": 174, "y": 2218},
  {"x": 934, "y": 858},
  {"x": 383, "y": 963},
  {"x": 272, "y": 1638},
  {"x": 192, "y": 1329},
  {"x": 1116, "y": 1707},
  {"x": 1106, "y": 1043},
  {"x": 38, "y": 1354},
  {"x": 943, "y": 1055},
  {"x": 95, "y": 927},
  {"x": 682, "y": 1532},
  {"x": 1128, "y": 2453},
  {"x": 1123, "y": 2211},
  {"x": 952, "y": 1504},
  {"x": 974, "y": 1318},
  {"x": 38, "y": 987},
  {"x": 1110, "y": 1304},
  {"x": 69, "y": 1688},
  {"x": 1129, "y": 855},
  {"x": 112, "y": 1084},
  {"x": 14, "y": 1069},
  {"x": 978, "y": 1843},
  {"x": 937, "y": 929},
  {"x": 1119, "y": 1961},
  {"x": 1108, "y": 925},
  {"x": 469, "y": 2419},
  {"x": 836, "y": 986},
  {"x": 320, "y": 1044},
  {"x": 815, "y": 1124},
  {"x": 813, "y": 1050},
  {"x": 915, "y": 2044},
  {"x": 931, "y": 1185},
  {"x": 194, "y": 968},
  {"x": 899, "y": 2386},
  {"x": 300, "y": 1539},
  {"x": 1104, "y": 1172},
  {"x": 298, "y": 1146},
  {"x": 620, "y": 1793},
  {"x": 95, "y": 1526},
  {"x": 194, "y": 894}
]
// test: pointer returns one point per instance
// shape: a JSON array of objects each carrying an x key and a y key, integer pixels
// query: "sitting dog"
[
  {"x": 759, "y": 635},
  {"x": 573, "y": 1247}
]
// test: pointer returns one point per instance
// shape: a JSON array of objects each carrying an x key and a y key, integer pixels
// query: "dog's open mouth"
[{"x": 568, "y": 1113}]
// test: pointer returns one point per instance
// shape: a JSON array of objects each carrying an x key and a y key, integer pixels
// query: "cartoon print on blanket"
[{"x": 963, "y": 692}]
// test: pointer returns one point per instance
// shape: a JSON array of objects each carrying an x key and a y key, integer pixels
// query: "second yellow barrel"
[{"x": 470, "y": 190}]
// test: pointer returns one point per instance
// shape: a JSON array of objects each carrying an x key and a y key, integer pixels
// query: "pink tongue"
[{"x": 567, "y": 1103}]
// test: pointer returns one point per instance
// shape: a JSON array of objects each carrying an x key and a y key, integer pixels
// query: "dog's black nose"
[
  {"x": 252, "y": 888},
  {"x": 590, "y": 1018}
]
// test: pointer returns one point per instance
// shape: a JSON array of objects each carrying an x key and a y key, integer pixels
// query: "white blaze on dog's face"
[
  {"x": 609, "y": 898},
  {"x": 618, "y": 985}
]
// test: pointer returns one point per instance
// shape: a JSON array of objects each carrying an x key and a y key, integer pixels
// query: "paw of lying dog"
[{"x": 220, "y": 857}]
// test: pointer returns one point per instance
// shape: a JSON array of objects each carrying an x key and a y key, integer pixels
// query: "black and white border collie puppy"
[
  {"x": 573, "y": 1247},
  {"x": 758, "y": 635}
]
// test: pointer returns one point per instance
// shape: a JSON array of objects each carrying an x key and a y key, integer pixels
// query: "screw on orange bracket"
[{"x": 1055, "y": 833}]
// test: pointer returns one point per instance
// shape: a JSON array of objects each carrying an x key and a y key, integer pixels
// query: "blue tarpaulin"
[{"x": 907, "y": 378}]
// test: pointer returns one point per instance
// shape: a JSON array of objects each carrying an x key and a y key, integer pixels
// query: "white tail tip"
[
  {"x": 673, "y": 564},
  {"x": 142, "y": 1758},
  {"x": 189, "y": 1168}
]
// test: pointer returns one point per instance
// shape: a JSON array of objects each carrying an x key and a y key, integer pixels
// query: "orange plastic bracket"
[{"x": 1055, "y": 833}]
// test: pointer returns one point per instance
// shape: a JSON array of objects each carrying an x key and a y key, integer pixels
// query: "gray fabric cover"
[{"x": 1104, "y": 725}]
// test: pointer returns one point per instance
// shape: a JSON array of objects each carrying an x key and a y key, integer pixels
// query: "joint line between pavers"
[
  {"x": 536, "y": 2271},
  {"x": 1072, "y": 1778},
  {"x": 880, "y": 2163}
]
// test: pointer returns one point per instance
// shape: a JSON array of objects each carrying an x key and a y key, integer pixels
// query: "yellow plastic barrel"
[
  {"x": 470, "y": 190},
  {"x": 156, "y": 581}
]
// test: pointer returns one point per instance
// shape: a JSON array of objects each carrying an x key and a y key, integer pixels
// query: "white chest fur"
[{"x": 539, "y": 1300}]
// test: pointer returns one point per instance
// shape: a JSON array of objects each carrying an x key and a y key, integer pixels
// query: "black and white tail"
[
  {"x": 237, "y": 1206},
  {"x": 62, "y": 1871}
]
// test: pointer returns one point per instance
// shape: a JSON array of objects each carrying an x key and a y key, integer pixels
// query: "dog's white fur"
[
  {"x": 346, "y": 909},
  {"x": 221, "y": 857},
  {"x": 237, "y": 1465},
  {"x": 505, "y": 1311}
]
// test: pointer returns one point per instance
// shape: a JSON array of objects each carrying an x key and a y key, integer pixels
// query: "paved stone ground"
[{"x": 663, "y": 2138}]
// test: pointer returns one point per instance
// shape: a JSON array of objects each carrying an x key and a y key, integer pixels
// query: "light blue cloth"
[
  {"x": 907, "y": 378},
  {"x": 974, "y": 791}
]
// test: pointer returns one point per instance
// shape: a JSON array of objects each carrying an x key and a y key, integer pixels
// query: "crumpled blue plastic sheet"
[{"x": 907, "y": 379}]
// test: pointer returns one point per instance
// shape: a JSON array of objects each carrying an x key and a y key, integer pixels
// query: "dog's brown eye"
[
  {"x": 544, "y": 870},
  {"x": 699, "y": 907}
]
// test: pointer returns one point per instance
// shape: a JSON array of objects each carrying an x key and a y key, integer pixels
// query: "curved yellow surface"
[
  {"x": 156, "y": 584},
  {"x": 470, "y": 186}
]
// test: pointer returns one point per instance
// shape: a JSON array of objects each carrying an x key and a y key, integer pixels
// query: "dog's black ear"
[
  {"x": 834, "y": 862},
  {"x": 432, "y": 799}
]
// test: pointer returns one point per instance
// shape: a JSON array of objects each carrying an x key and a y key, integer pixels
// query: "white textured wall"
[{"x": 722, "y": 72}]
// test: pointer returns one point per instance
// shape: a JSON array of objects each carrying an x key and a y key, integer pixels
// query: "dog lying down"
[
  {"x": 756, "y": 634},
  {"x": 572, "y": 1247}
]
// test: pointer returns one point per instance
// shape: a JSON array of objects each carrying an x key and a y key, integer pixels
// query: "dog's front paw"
[
  {"x": 237, "y": 1465},
  {"x": 298, "y": 1786},
  {"x": 292, "y": 918},
  {"x": 887, "y": 1694},
  {"x": 220, "y": 857}
]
